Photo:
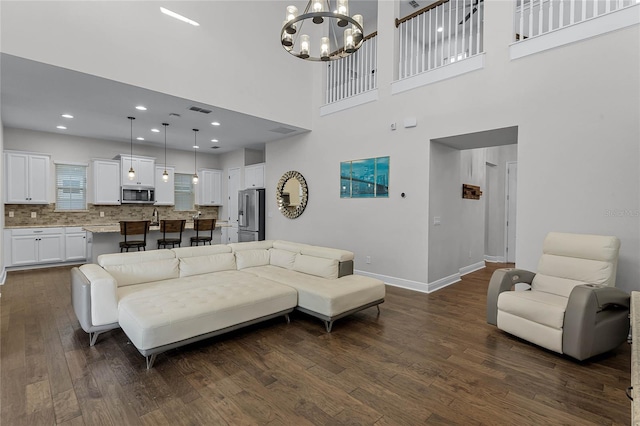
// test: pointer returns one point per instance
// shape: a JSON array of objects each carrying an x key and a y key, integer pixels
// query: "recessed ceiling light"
[
  {"x": 141, "y": 108},
  {"x": 179, "y": 17},
  {"x": 440, "y": 29},
  {"x": 215, "y": 123},
  {"x": 155, "y": 130},
  {"x": 140, "y": 138},
  {"x": 196, "y": 146},
  {"x": 67, "y": 116},
  {"x": 214, "y": 140},
  {"x": 61, "y": 127}
]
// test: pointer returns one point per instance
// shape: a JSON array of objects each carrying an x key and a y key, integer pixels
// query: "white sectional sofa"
[{"x": 163, "y": 299}]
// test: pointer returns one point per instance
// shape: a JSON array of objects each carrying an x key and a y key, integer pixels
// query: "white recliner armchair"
[{"x": 572, "y": 307}]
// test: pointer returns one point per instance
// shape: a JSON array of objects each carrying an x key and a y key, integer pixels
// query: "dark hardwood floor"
[{"x": 427, "y": 359}]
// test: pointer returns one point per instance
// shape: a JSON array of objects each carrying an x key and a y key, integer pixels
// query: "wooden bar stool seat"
[
  {"x": 171, "y": 227},
  {"x": 136, "y": 229},
  {"x": 204, "y": 231}
]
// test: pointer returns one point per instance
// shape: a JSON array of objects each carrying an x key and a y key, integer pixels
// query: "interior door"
[
  {"x": 512, "y": 180},
  {"x": 233, "y": 186}
]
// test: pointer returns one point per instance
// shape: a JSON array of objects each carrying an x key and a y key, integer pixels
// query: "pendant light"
[
  {"x": 132, "y": 173},
  {"x": 165, "y": 175},
  {"x": 195, "y": 155}
]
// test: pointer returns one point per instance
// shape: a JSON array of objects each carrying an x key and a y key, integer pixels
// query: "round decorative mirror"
[{"x": 292, "y": 194}]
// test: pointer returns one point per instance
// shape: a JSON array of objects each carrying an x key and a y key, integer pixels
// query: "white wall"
[
  {"x": 82, "y": 150},
  {"x": 577, "y": 151},
  {"x": 132, "y": 42}
]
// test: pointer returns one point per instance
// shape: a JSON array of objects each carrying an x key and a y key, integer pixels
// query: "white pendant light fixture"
[
  {"x": 165, "y": 175},
  {"x": 330, "y": 22},
  {"x": 132, "y": 173},
  {"x": 195, "y": 155}
]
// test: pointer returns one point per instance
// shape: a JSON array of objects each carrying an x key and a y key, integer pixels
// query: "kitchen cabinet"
[
  {"x": 75, "y": 244},
  {"x": 254, "y": 176},
  {"x": 27, "y": 178},
  {"x": 144, "y": 168},
  {"x": 106, "y": 182},
  {"x": 209, "y": 191},
  {"x": 165, "y": 192},
  {"x": 36, "y": 245}
]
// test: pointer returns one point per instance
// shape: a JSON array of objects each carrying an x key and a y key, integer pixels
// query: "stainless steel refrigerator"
[{"x": 251, "y": 222}]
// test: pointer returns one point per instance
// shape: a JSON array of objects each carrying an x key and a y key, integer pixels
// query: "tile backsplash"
[{"x": 46, "y": 215}]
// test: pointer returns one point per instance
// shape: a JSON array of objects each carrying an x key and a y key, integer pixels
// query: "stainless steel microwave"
[{"x": 137, "y": 195}]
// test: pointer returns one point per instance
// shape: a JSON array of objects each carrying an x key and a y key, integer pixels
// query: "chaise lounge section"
[{"x": 164, "y": 299}]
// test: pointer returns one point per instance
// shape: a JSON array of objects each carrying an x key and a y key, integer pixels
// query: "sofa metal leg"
[
  {"x": 378, "y": 306},
  {"x": 328, "y": 325},
  {"x": 150, "y": 360},
  {"x": 287, "y": 318},
  {"x": 93, "y": 337}
]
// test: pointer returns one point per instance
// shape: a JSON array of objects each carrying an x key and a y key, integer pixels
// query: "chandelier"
[{"x": 328, "y": 24}]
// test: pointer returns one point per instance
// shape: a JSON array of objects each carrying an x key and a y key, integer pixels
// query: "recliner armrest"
[
  {"x": 502, "y": 280},
  {"x": 586, "y": 302}
]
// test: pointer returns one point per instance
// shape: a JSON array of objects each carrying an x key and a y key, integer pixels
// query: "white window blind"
[
  {"x": 184, "y": 194},
  {"x": 71, "y": 187}
]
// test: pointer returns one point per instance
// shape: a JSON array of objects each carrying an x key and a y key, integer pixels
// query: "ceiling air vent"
[
  {"x": 215, "y": 147},
  {"x": 198, "y": 109},
  {"x": 173, "y": 114},
  {"x": 414, "y": 4},
  {"x": 282, "y": 130}
]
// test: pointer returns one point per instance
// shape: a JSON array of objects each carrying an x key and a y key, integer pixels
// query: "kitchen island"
[{"x": 103, "y": 239}]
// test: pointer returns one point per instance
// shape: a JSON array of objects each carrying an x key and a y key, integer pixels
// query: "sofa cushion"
[
  {"x": 198, "y": 265},
  {"x": 326, "y": 297},
  {"x": 205, "y": 250},
  {"x": 317, "y": 266},
  {"x": 536, "y": 306},
  {"x": 157, "y": 314},
  {"x": 289, "y": 246},
  {"x": 328, "y": 253},
  {"x": 143, "y": 272},
  {"x": 134, "y": 257},
  {"x": 251, "y": 258},
  {"x": 559, "y": 274},
  {"x": 282, "y": 258},
  {"x": 251, "y": 245}
]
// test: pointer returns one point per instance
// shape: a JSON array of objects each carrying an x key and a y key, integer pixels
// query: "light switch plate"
[
  {"x": 101, "y": 214},
  {"x": 11, "y": 214},
  {"x": 436, "y": 220},
  {"x": 34, "y": 215}
]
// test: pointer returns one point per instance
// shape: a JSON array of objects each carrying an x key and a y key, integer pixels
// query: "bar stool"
[
  {"x": 172, "y": 227},
  {"x": 202, "y": 226},
  {"x": 132, "y": 228}
]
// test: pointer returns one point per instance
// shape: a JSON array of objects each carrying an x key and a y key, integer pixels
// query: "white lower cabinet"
[{"x": 34, "y": 246}]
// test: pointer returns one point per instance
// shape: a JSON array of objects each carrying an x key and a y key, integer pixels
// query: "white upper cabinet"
[
  {"x": 106, "y": 182},
  {"x": 144, "y": 168},
  {"x": 209, "y": 191},
  {"x": 165, "y": 195},
  {"x": 254, "y": 176},
  {"x": 27, "y": 178}
]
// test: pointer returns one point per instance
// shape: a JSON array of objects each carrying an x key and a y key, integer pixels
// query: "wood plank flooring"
[{"x": 427, "y": 359}]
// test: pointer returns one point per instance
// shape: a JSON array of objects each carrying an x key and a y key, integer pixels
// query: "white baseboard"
[
  {"x": 443, "y": 282},
  {"x": 495, "y": 259},
  {"x": 397, "y": 282},
  {"x": 471, "y": 268}
]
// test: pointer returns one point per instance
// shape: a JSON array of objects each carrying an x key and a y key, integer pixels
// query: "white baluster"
[
  {"x": 541, "y": 17},
  {"x": 531, "y": 33},
  {"x": 521, "y": 19},
  {"x": 464, "y": 25},
  {"x": 561, "y": 15},
  {"x": 429, "y": 50},
  {"x": 471, "y": 19},
  {"x": 448, "y": 29},
  {"x": 572, "y": 11},
  {"x": 480, "y": 18},
  {"x": 584, "y": 10}
]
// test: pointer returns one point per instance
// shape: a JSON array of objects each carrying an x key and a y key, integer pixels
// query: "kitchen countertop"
[{"x": 106, "y": 227}]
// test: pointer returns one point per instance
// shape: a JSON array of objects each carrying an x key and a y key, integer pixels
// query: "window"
[
  {"x": 71, "y": 187},
  {"x": 184, "y": 192}
]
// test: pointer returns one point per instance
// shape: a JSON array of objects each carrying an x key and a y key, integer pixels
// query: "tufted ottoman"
[{"x": 163, "y": 315}]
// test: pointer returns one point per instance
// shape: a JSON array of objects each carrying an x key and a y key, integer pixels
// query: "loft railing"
[
  {"x": 354, "y": 74},
  {"x": 439, "y": 34},
  {"x": 537, "y": 17}
]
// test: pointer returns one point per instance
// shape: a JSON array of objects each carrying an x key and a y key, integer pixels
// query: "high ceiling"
[{"x": 34, "y": 95}]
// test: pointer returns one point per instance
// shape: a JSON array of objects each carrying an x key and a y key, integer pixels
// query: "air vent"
[
  {"x": 215, "y": 147},
  {"x": 173, "y": 114},
  {"x": 198, "y": 109},
  {"x": 282, "y": 130},
  {"x": 414, "y": 4}
]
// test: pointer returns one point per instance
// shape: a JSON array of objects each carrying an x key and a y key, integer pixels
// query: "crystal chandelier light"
[
  {"x": 327, "y": 21},
  {"x": 165, "y": 174},
  {"x": 132, "y": 173},
  {"x": 194, "y": 178}
]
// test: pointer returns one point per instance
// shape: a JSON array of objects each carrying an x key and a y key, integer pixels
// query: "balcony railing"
[
  {"x": 354, "y": 74},
  {"x": 537, "y": 17},
  {"x": 441, "y": 33}
]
